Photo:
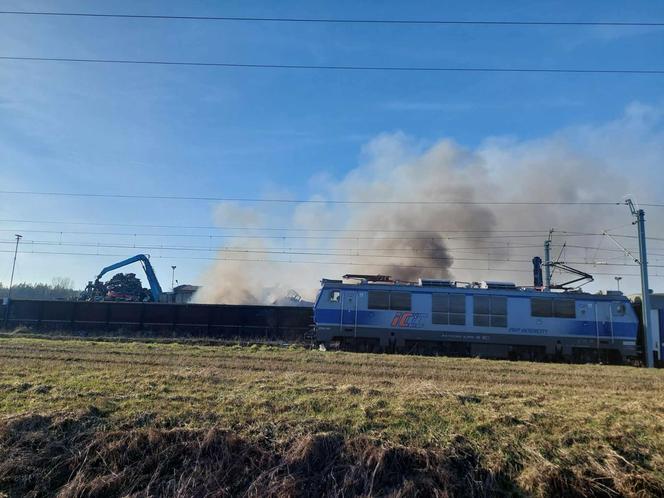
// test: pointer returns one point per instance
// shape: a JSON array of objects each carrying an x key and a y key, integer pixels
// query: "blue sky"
[{"x": 250, "y": 132}]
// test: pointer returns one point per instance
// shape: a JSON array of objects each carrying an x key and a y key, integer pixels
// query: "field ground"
[{"x": 86, "y": 418}]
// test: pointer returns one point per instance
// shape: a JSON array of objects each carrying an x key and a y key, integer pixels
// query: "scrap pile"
[{"x": 121, "y": 287}]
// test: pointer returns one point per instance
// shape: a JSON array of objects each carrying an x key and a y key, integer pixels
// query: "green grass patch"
[{"x": 522, "y": 428}]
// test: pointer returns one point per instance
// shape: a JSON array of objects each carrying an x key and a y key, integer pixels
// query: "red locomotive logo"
[{"x": 408, "y": 320}]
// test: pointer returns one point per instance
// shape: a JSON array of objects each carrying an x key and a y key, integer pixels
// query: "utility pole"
[
  {"x": 173, "y": 267},
  {"x": 11, "y": 280},
  {"x": 640, "y": 222},
  {"x": 547, "y": 262},
  {"x": 618, "y": 279}
]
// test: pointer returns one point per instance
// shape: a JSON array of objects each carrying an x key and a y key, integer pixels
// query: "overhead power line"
[
  {"x": 314, "y": 252},
  {"x": 347, "y": 251},
  {"x": 353, "y": 250},
  {"x": 346, "y": 230},
  {"x": 332, "y": 67},
  {"x": 487, "y": 233},
  {"x": 485, "y": 249},
  {"x": 273, "y": 251},
  {"x": 308, "y": 262},
  {"x": 270, "y": 237},
  {"x": 438, "y": 235},
  {"x": 471, "y": 22},
  {"x": 318, "y": 201},
  {"x": 481, "y": 250},
  {"x": 273, "y": 229}
]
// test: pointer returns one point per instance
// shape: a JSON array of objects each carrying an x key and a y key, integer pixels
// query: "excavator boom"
[{"x": 155, "y": 288}]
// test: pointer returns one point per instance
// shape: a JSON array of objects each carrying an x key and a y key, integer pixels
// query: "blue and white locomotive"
[{"x": 486, "y": 319}]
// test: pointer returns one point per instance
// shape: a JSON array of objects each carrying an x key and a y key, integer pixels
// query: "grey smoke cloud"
[{"x": 582, "y": 163}]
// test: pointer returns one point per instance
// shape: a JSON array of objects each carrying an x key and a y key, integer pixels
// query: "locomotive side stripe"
[{"x": 577, "y": 328}]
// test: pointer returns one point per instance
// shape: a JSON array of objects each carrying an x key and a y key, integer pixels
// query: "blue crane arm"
[{"x": 155, "y": 288}]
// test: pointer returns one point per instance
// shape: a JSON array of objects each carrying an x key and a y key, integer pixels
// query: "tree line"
[{"x": 59, "y": 288}]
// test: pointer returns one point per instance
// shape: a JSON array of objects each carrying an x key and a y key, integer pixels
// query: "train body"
[{"x": 493, "y": 320}]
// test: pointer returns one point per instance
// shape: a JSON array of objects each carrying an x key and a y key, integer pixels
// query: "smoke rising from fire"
[{"x": 461, "y": 241}]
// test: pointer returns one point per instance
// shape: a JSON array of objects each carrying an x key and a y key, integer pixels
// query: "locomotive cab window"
[
  {"x": 379, "y": 300},
  {"x": 400, "y": 301},
  {"x": 335, "y": 295},
  {"x": 619, "y": 309}
]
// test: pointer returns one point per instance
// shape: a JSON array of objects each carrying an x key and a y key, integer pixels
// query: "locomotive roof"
[{"x": 480, "y": 287}]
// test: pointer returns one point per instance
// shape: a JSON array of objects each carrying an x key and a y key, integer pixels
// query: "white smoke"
[{"x": 577, "y": 164}]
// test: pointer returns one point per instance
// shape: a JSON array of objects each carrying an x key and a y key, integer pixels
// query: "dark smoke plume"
[{"x": 423, "y": 240}]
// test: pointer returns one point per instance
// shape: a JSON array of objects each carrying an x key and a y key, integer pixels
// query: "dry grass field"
[{"x": 86, "y": 418}]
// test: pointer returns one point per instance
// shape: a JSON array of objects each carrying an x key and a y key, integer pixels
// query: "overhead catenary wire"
[
  {"x": 285, "y": 251},
  {"x": 271, "y": 229},
  {"x": 308, "y": 252},
  {"x": 348, "y": 230},
  {"x": 330, "y": 20},
  {"x": 310, "y": 262},
  {"x": 476, "y": 249},
  {"x": 458, "y": 202},
  {"x": 435, "y": 236},
  {"x": 333, "y": 67},
  {"x": 213, "y": 228},
  {"x": 452, "y": 249},
  {"x": 274, "y": 251},
  {"x": 286, "y": 229}
]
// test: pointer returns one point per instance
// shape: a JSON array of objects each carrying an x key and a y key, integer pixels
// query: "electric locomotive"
[{"x": 373, "y": 313}]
